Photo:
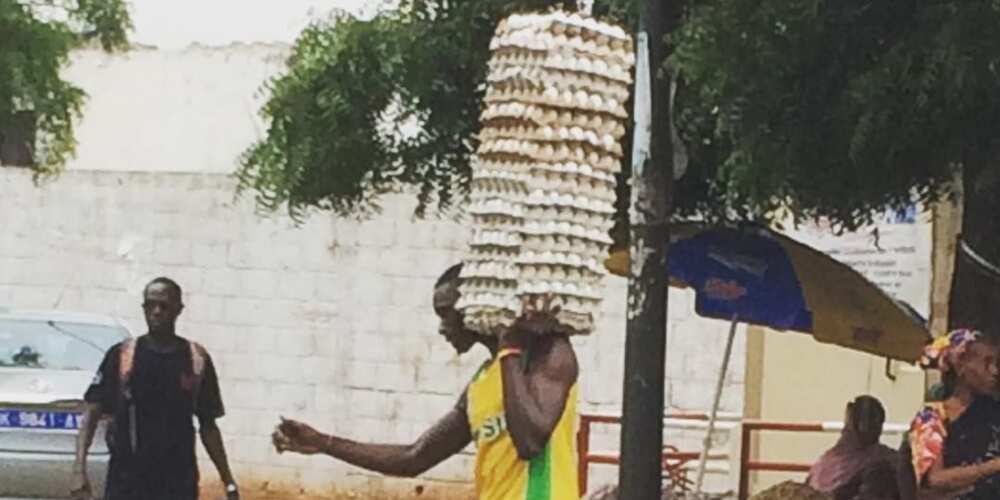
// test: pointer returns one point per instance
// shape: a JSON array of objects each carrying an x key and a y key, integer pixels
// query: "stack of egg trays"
[{"x": 543, "y": 188}]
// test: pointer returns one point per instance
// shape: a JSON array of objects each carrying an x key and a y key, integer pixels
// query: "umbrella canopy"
[
  {"x": 755, "y": 275},
  {"x": 762, "y": 277}
]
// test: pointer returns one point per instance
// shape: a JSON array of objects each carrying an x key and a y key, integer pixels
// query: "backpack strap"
[
  {"x": 126, "y": 360},
  {"x": 126, "y": 364},
  {"x": 198, "y": 360},
  {"x": 198, "y": 355}
]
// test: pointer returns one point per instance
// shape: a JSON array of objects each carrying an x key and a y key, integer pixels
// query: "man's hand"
[
  {"x": 80, "y": 487},
  {"x": 993, "y": 466},
  {"x": 539, "y": 317},
  {"x": 297, "y": 437}
]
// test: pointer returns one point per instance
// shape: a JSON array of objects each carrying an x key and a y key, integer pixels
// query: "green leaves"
[
  {"x": 33, "y": 50},
  {"x": 368, "y": 107},
  {"x": 106, "y": 20},
  {"x": 323, "y": 148},
  {"x": 837, "y": 109}
]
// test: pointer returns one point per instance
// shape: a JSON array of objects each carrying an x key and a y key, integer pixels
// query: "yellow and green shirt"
[{"x": 500, "y": 472}]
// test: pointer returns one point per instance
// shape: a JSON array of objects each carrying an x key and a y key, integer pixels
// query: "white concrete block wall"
[
  {"x": 330, "y": 321},
  {"x": 198, "y": 95}
]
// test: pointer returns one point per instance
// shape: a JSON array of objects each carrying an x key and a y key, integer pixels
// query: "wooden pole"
[{"x": 652, "y": 183}]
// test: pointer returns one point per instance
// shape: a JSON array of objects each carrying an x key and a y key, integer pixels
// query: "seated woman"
[
  {"x": 955, "y": 444},
  {"x": 858, "y": 465}
]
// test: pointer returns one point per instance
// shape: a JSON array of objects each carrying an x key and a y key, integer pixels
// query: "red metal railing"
[
  {"x": 583, "y": 448},
  {"x": 746, "y": 465},
  {"x": 674, "y": 461}
]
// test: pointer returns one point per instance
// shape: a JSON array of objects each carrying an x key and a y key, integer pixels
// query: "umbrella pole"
[{"x": 707, "y": 444}]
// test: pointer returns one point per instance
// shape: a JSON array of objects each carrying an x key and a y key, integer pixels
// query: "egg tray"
[{"x": 543, "y": 183}]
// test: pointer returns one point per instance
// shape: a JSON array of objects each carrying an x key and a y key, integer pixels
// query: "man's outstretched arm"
[{"x": 445, "y": 438}]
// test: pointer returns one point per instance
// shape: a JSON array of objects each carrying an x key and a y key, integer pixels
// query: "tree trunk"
[
  {"x": 975, "y": 291},
  {"x": 640, "y": 470}
]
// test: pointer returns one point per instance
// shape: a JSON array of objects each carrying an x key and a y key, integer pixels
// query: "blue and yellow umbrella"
[
  {"x": 762, "y": 277},
  {"x": 758, "y": 276}
]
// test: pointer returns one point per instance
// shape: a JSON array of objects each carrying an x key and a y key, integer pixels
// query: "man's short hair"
[
  {"x": 450, "y": 275},
  {"x": 171, "y": 285}
]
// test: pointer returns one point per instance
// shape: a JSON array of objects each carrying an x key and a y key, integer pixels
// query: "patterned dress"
[{"x": 972, "y": 438}]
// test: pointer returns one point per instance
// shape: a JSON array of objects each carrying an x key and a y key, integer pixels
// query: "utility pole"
[{"x": 640, "y": 472}]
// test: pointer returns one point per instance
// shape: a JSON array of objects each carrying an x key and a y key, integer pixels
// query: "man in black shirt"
[{"x": 152, "y": 388}]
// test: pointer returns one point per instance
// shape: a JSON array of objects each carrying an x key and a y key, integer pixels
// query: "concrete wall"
[
  {"x": 329, "y": 322},
  {"x": 181, "y": 110},
  {"x": 180, "y": 23},
  {"x": 804, "y": 381}
]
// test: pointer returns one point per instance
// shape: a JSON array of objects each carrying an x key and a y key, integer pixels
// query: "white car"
[{"x": 47, "y": 361}]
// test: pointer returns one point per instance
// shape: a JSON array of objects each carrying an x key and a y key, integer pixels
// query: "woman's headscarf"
[
  {"x": 944, "y": 353},
  {"x": 856, "y": 451}
]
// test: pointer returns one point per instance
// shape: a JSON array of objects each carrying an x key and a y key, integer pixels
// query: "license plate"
[{"x": 27, "y": 419}]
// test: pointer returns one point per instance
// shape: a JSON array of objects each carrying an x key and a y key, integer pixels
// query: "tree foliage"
[
  {"x": 369, "y": 106},
  {"x": 839, "y": 109},
  {"x": 36, "y": 38},
  {"x": 835, "y": 109}
]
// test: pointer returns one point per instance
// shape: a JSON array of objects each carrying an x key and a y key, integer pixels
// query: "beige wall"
[{"x": 804, "y": 381}]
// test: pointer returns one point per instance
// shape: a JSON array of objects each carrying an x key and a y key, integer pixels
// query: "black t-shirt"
[
  {"x": 974, "y": 438},
  {"x": 162, "y": 385}
]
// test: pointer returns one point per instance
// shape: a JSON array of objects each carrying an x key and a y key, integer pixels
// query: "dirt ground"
[{"x": 265, "y": 491}]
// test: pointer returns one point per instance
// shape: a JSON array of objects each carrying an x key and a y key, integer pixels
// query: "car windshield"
[{"x": 55, "y": 345}]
